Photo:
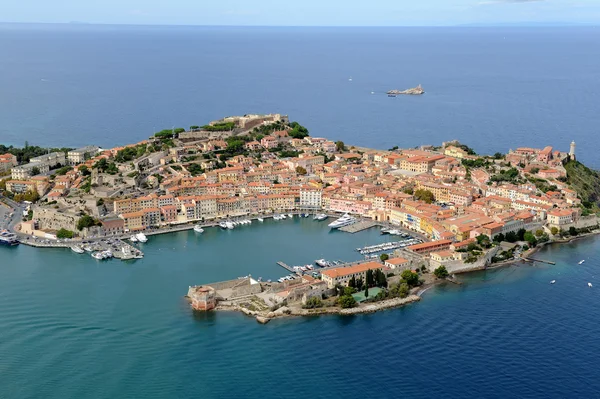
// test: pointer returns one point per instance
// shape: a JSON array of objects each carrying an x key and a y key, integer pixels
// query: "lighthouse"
[{"x": 572, "y": 150}]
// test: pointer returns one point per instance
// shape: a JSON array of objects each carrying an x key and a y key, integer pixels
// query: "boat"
[
  {"x": 290, "y": 215},
  {"x": 98, "y": 255},
  {"x": 322, "y": 263},
  {"x": 320, "y": 217},
  {"x": 107, "y": 254},
  {"x": 77, "y": 249},
  {"x": 88, "y": 248},
  {"x": 553, "y": 281},
  {"x": 229, "y": 225},
  {"x": 8, "y": 238},
  {"x": 590, "y": 285},
  {"x": 345, "y": 220},
  {"x": 223, "y": 225},
  {"x": 260, "y": 220},
  {"x": 198, "y": 229},
  {"x": 282, "y": 216},
  {"x": 581, "y": 262},
  {"x": 133, "y": 238},
  {"x": 141, "y": 237}
]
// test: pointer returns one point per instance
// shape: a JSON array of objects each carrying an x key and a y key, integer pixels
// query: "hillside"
[{"x": 586, "y": 182}]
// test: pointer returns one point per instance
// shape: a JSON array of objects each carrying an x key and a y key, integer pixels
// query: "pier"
[
  {"x": 549, "y": 262},
  {"x": 286, "y": 267},
  {"x": 358, "y": 226}
]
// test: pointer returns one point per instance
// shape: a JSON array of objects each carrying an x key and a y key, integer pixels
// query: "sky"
[{"x": 303, "y": 12}]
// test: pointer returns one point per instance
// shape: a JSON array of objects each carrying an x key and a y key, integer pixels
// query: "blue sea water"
[
  {"x": 493, "y": 88},
  {"x": 71, "y": 326}
]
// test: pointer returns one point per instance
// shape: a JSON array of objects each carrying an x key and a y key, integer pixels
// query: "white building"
[
  {"x": 81, "y": 155},
  {"x": 310, "y": 198}
]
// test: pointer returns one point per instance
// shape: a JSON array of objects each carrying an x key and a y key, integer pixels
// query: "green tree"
[
  {"x": 484, "y": 241},
  {"x": 85, "y": 221},
  {"x": 352, "y": 282},
  {"x": 403, "y": 290},
  {"x": 521, "y": 234},
  {"x": 380, "y": 278},
  {"x": 511, "y": 236},
  {"x": 539, "y": 232},
  {"x": 367, "y": 292},
  {"x": 425, "y": 196},
  {"x": 572, "y": 231},
  {"x": 313, "y": 302},
  {"x": 384, "y": 257},
  {"x": 347, "y": 301},
  {"x": 499, "y": 237},
  {"x": 340, "y": 146},
  {"x": 300, "y": 170},
  {"x": 64, "y": 233},
  {"x": 411, "y": 278},
  {"x": 441, "y": 272},
  {"x": 84, "y": 170},
  {"x": 369, "y": 281},
  {"x": 35, "y": 171},
  {"x": 554, "y": 230}
]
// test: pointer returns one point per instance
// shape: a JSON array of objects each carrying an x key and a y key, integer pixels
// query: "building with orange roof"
[{"x": 342, "y": 275}]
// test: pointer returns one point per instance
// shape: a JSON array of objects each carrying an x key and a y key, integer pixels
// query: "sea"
[
  {"x": 492, "y": 88},
  {"x": 72, "y": 326}
]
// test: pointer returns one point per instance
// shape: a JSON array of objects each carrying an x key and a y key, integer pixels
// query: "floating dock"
[{"x": 539, "y": 260}]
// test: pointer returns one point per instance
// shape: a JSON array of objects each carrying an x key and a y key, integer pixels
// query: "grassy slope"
[{"x": 585, "y": 181}]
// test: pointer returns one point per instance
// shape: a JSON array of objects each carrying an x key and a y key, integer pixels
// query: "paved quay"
[{"x": 359, "y": 226}]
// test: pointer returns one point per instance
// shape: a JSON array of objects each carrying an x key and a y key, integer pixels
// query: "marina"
[{"x": 387, "y": 246}]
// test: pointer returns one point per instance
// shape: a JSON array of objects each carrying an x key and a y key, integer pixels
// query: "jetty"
[
  {"x": 286, "y": 267},
  {"x": 358, "y": 226},
  {"x": 549, "y": 262},
  {"x": 415, "y": 91}
]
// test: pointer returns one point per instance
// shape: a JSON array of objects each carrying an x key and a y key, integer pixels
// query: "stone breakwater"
[{"x": 264, "y": 317}]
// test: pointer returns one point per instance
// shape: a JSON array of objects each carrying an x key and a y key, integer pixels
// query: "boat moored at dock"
[
  {"x": 77, "y": 249},
  {"x": 198, "y": 229},
  {"x": 141, "y": 237},
  {"x": 9, "y": 239},
  {"x": 345, "y": 220}
]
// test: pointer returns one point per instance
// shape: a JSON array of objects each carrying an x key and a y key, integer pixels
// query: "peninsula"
[
  {"x": 415, "y": 91},
  {"x": 456, "y": 211}
]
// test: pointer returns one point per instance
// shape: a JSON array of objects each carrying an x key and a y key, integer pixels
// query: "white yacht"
[
  {"x": 290, "y": 215},
  {"x": 198, "y": 229},
  {"x": 141, "y": 237},
  {"x": 553, "y": 281},
  {"x": 590, "y": 285},
  {"x": 282, "y": 216},
  {"x": 98, "y": 255},
  {"x": 223, "y": 225},
  {"x": 260, "y": 219},
  {"x": 320, "y": 217},
  {"x": 133, "y": 238},
  {"x": 229, "y": 225},
  {"x": 345, "y": 220},
  {"x": 581, "y": 262},
  {"x": 77, "y": 249}
]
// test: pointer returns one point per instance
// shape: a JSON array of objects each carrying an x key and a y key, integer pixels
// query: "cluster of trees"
[
  {"x": 372, "y": 279},
  {"x": 105, "y": 167},
  {"x": 345, "y": 298},
  {"x": 64, "y": 233},
  {"x": 194, "y": 169},
  {"x": 26, "y": 153},
  {"x": 475, "y": 163},
  {"x": 63, "y": 170},
  {"x": 441, "y": 272},
  {"x": 542, "y": 184},
  {"x": 301, "y": 171},
  {"x": 509, "y": 175},
  {"x": 298, "y": 131},
  {"x": 86, "y": 221},
  {"x": 340, "y": 146},
  {"x": 424, "y": 195},
  {"x": 219, "y": 127},
  {"x": 131, "y": 153},
  {"x": 30, "y": 195},
  {"x": 313, "y": 302}
]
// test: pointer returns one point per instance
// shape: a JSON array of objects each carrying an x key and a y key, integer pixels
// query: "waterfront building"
[
  {"x": 342, "y": 275},
  {"x": 202, "y": 297},
  {"x": 113, "y": 226},
  {"x": 560, "y": 217},
  {"x": 397, "y": 263},
  {"x": 310, "y": 198},
  {"x": 80, "y": 155}
]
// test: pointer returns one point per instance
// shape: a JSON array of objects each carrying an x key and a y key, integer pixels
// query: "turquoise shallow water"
[{"x": 74, "y": 327}]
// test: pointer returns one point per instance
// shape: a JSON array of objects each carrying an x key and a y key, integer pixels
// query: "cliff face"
[{"x": 586, "y": 182}]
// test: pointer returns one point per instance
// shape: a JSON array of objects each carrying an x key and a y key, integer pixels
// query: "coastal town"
[{"x": 456, "y": 210}]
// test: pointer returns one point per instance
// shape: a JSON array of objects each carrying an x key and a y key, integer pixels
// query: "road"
[{"x": 8, "y": 206}]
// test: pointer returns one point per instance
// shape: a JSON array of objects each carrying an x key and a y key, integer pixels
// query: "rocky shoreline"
[
  {"x": 264, "y": 317},
  {"x": 415, "y": 91}
]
